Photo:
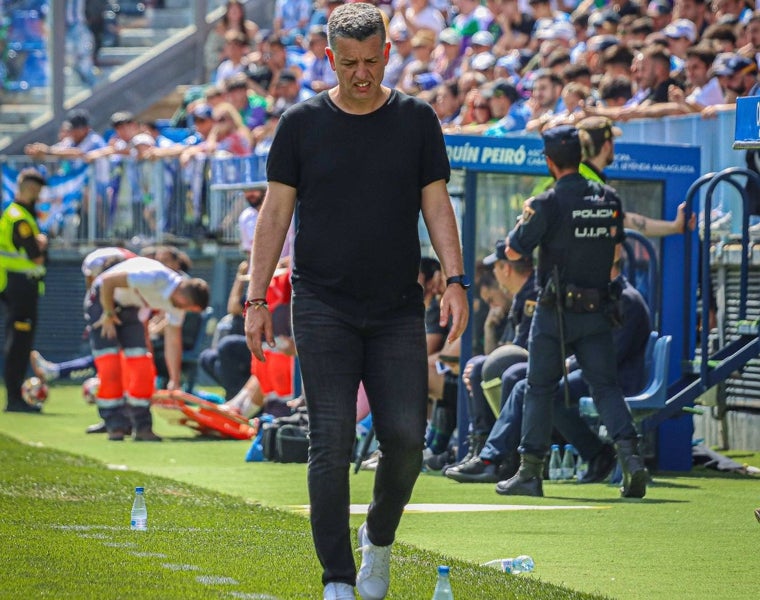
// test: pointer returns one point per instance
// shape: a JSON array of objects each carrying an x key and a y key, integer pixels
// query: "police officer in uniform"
[
  {"x": 22, "y": 268},
  {"x": 575, "y": 226}
]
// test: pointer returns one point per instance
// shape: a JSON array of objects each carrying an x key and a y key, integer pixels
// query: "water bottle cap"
[
  {"x": 139, "y": 490},
  {"x": 555, "y": 446},
  {"x": 443, "y": 570},
  {"x": 568, "y": 446}
]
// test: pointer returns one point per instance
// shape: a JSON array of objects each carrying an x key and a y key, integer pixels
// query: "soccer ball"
[
  {"x": 34, "y": 391},
  {"x": 90, "y": 389}
]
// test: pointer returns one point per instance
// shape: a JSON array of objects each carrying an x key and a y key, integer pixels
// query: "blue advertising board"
[
  {"x": 747, "y": 129},
  {"x": 675, "y": 167}
]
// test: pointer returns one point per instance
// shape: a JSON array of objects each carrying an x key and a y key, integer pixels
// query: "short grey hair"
[{"x": 356, "y": 21}]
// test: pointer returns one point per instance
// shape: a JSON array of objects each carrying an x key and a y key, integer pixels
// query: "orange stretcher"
[{"x": 182, "y": 408}]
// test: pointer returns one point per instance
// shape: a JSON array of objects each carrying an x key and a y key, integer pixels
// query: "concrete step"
[{"x": 145, "y": 36}]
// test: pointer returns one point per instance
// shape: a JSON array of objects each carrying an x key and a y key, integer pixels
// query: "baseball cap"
[
  {"x": 733, "y": 64},
  {"x": 499, "y": 88},
  {"x": 143, "y": 139},
  {"x": 78, "y": 118},
  {"x": 500, "y": 253},
  {"x": 427, "y": 81},
  {"x": 599, "y": 43},
  {"x": 658, "y": 8},
  {"x": 202, "y": 111},
  {"x": 450, "y": 36},
  {"x": 482, "y": 38},
  {"x": 598, "y": 129},
  {"x": 562, "y": 144},
  {"x": 483, "y": 61},
  {"x": 286, "y": 75},
  {"x": 681, "y": 28},
  {"x": 122, "y": 118}
]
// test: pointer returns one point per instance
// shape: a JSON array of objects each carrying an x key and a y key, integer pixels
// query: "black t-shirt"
[{"x": 359, "y": 181}]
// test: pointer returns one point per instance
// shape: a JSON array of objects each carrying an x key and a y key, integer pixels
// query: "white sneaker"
[
  {"x": 374, "y": 575},
  {"x": 42, "y": 368},
  {"x": 339, "y": 591}
]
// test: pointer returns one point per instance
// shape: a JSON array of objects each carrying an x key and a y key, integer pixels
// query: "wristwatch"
[{"x": 462, "y": 280}]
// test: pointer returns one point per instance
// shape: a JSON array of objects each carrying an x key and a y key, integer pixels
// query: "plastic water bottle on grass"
[
  {"x": 520, "y": 564},
  {"x": 568, "y": 462},
  {"x": 443, "y": 585},
  {"x": 139, "y": 521},
  {"x": 555, "y": 464}
]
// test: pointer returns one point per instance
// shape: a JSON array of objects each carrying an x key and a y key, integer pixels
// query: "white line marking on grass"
[
  {"x": 150, "y": 554},
  {"x": 361, "y": 509},
  {"x": 120, "y": 544},
  {"x": 247, "y": 596},
  {"x": 215, "y": 580},
  {"x": 117, "y": 467},
  {"x": 94, "y": 536},
  {"x": 173, "y": 567}
]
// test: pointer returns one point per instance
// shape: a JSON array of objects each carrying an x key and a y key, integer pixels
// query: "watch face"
[{"x": 462, "y": 280}]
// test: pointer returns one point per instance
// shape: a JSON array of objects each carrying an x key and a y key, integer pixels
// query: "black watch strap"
[{"x": 462, "y": 280}]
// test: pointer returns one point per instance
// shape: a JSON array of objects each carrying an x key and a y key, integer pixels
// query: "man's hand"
[
  {"x": 454, "y": 305},
  {"x": 258, "y": 327},
  {"x": 107, "y": 324},
  {"x": 680, "y": 219}
]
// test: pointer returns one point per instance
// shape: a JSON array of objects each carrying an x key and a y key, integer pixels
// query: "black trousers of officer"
[
  {"x": 589, "y": 337},
  {"x": 20, "y": 298}
]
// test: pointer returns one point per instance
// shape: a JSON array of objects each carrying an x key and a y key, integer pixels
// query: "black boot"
[
  {"x": 635, "y": 474},
  {"x": 528, "y": 481},
  {"x": 475, "y": 443}
]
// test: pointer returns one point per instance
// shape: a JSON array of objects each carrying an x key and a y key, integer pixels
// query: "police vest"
[
  {"x": 13, "y": 259},
  {"x": 589, "y": 227}
]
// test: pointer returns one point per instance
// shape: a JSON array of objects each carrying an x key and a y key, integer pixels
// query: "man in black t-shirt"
[{"x": 358, "y": 163}]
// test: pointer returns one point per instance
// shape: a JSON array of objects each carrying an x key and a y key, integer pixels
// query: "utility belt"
[{"x": 574, "y": 299}]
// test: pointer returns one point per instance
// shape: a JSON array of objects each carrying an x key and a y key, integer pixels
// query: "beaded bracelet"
[{"x": 255, "y": 303}]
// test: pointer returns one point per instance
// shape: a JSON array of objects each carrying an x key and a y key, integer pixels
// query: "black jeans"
[
  {"x": 21, "y": 298},
  {"x": 336, "y": 352}
]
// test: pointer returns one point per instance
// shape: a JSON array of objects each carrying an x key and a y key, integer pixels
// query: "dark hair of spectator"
[
  {"x": 575, "y": 71},
  {"x": 429, "y": 267},
  {"x": 558, "y": 57},
  {"x": 720, "y": 32},
  {"x": 703, "y": 52},
  {"x": 658, "y": 54},
  {"x": 550, "y": 75},
  {"x": 642, "y": 25},
  {"x": 617, "y": 55},
  {"x": 615, "y": 87}
]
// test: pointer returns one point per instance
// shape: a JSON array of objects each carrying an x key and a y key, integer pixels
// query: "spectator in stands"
[
  {"x": 447, "y": 104},
  {"x": 447, "y": 59},
  {"x": 317, "y": 75},
  {"x": 752, "y": 33},
  {"x": 695, "y": 11},
  {"x": 738, "y": 8},
  {"x": 288, "y": 90},
  {"x": 615, "y": 91},
  {"x": 322, "y": 11},
  {"x": 400, "y": 57},
  {"x": 233, "y": 19},
  {"x": 502, "y": 96},
  {"x": 471, "y": 17},
  {"x": 80, "y": 43},
  {"x": 80, "y": 139},
  {"x": 722, "y": 36},
  {"x": 236, "y": 49},
  {"x": 661, "y": 13},
  {"x": 681, "y": 34},
  {"x": 291, "y": 18},
  {"x": 545, "y": 99},
  {"x": 514, "y": 26},
  {"x": 423, "y": 44},
  {"x": 475, "y": 115},
  {"x": 250, "y": 105},
  {"x": 228, "y": 134},
  {"x": 213, "y": 95},
  {"x": 414, "y": 15}
]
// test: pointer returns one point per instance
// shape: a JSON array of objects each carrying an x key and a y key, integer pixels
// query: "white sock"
[{"x": 243, "y": 402}]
